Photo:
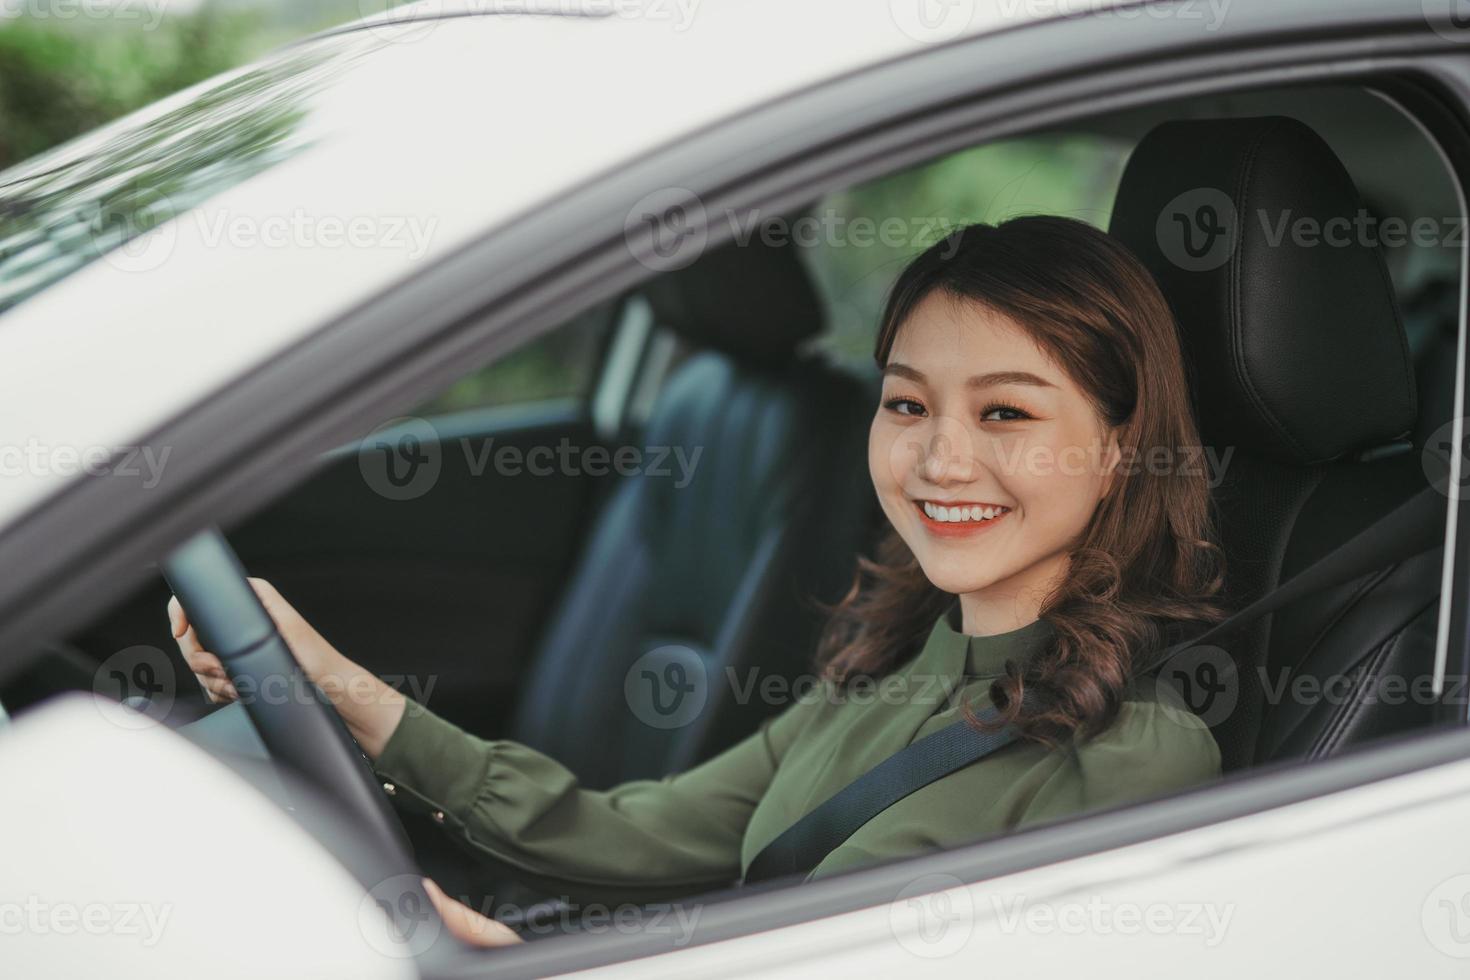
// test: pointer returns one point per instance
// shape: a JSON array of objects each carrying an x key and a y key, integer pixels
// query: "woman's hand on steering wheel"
[
  {"x": 317, "y": 657},
  {"x": 370, "y": 708}
]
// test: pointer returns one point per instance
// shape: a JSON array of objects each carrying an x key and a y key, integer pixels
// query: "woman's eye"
[
  {"x": 904, "y": 406},
  {"x": 1016, "y": 414}
]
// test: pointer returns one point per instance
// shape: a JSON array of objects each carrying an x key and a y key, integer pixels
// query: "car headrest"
[
  {"x": 748, "y": 298},
  {"x": 1290, "y": 328}
]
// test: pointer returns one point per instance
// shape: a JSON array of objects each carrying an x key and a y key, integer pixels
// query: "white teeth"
[{"x": 956, "y": 515}]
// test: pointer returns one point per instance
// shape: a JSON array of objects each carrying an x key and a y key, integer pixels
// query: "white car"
[{"x": 474, "y": 315}]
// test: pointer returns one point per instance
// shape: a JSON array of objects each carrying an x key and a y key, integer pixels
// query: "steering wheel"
[{"x": 299, "y": 727}]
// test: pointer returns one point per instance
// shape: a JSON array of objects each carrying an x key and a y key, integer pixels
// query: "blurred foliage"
[
  {"x": 60, "y": 77},
  {"x": 1072, "y": 174}
]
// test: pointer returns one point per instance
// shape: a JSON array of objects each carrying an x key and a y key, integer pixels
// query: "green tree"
[{"x": 61, "y": 78}]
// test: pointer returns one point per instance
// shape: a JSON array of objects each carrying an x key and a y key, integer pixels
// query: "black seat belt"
[{"x": 1413, "y": 528}]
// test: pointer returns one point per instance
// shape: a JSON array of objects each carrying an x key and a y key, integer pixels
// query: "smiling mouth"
[
  {"x": 958, "y": 519},
  {"x": 960, "y": 512}
]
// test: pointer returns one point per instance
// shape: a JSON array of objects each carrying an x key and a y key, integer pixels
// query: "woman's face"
[{"x": 976, "y": 420}]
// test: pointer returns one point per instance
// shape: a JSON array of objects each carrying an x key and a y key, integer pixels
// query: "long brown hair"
[{"x": 1147, "y": 562}]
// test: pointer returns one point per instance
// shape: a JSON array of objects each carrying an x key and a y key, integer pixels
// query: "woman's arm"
[
  {"x": 640, "y": 841},
  {"x": 370, "y": 708}
]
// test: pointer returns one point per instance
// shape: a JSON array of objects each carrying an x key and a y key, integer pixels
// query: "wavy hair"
[{"x": 1147, "y": 563}]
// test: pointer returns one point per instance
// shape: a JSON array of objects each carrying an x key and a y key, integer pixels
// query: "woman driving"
[{"x": 1031, "y": 451}]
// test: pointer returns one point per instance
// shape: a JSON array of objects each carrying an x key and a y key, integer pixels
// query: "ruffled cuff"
[{"x": 433, "y": 765}]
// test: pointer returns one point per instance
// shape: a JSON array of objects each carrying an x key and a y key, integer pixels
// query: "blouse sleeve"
[{"x": 639, "y": 841}]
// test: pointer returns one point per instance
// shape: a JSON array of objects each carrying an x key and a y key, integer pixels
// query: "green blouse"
[{"x": 695, "y": 831}]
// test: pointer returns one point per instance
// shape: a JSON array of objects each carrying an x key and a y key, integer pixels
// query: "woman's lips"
[{"x": 956, "y": 529}]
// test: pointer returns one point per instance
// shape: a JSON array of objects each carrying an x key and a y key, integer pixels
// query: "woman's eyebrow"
[{"x": 986, "y": 380}]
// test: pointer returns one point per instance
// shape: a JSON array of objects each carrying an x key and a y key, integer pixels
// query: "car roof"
[{"x": 426, "y": 130}]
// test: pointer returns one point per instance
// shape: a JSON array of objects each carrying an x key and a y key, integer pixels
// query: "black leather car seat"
[
  {"x": 699, "y": 589},
  {"x": 1300, "y": 372}
]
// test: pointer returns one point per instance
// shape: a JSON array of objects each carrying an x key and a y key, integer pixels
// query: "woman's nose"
[{"x": 947, "y": 456}]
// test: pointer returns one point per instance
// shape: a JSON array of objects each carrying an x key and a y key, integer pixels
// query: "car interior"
[{"x": 515, "y": 601}]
